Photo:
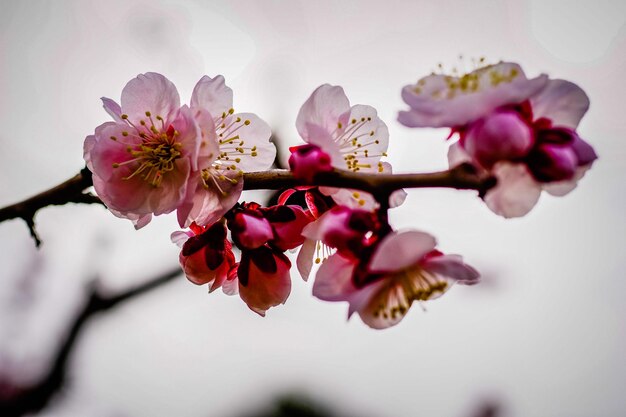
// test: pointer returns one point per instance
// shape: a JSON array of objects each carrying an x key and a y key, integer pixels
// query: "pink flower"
[
  {"x": 242, "y": 145},
  {"x": 529, "y": 147},
  {"x": 306, "y": 161},
  {"x": 141, "y": 161},
  {"x": 206, "y": 256},
  {"x": 353, "y": 136},
  {"x": 402, "y": 268},
  {"x": 440, "y": 100}
]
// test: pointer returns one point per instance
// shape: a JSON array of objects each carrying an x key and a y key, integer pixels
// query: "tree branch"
[
  {"x": 18, "y": 401},
  {"x": 462, "y": 177}
]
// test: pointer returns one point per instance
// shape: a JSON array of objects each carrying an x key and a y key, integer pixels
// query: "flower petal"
[
  {"x": 333, "y": 281},
  {"x": 150, "y": 92},
  {"x": 113, "y": 109},
  {"x": 400, "y": 250},
  {"x": 445, "y": 101},
  {"x": 452, "y": 267},
  {"x": 255, "y": 133},
  {"x": 213, "y": 95},
  {"x": 323, "y": 109},
  {"x": 563, "y": 102},
  {"x": 304, "y": 262},
  {"x": 457, "y": 155},
  {"x": 516, "y": 191}
]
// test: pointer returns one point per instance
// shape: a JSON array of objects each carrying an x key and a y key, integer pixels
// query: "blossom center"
[
  {"x": 355, "y": 142},
  {"x": 155, "y": 155},
  {"x": 413, "y": 284}
]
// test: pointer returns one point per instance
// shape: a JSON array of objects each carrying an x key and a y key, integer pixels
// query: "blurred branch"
[
  {"x": 462, "y": 177},
  {"x": 18, "y": 401}
]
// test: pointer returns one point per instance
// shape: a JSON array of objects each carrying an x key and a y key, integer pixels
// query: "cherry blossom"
[
  {"x": 141, "y": 162},
  {"x": 440, "y": 100},
  {"x": 243, "y": 145},
  {"x": 354, "y": 137},
  {"x": 529, "y": 147},
  {"x": 382, "y": 284}
]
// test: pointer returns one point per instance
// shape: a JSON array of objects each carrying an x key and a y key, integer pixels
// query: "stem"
[{"x": 462, "y": 177}]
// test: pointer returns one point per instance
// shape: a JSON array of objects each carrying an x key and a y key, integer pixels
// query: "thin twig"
[{"x": 34, "y": 398}]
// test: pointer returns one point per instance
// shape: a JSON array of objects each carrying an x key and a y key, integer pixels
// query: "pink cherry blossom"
[
  {"x": 242, "y": 145},
  {"x": 353, "y": 136},
  {"x": 141, "y": 162},
  {"x": 520, "y": 130},
  {"x": 402, "y": 268},
  {"x": 440, "y": 100},
  {"x": 553, "y": 158}
]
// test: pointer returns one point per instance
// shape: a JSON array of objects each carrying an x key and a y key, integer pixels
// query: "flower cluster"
[
  {"x": 157, "y": 157},
  {"x": 522, "y": 131}
]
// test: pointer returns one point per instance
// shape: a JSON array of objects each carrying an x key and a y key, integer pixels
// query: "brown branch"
[
  {"x": 19, "y": 401},
  {"x": 462, "y": 177},
  {"x": 70, "y": 191}
]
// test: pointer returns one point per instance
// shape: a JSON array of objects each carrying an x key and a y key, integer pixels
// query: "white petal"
[{"x": 304, "y": 261}]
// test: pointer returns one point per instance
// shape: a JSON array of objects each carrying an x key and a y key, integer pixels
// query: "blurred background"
[{"x": 543, "y": 335}]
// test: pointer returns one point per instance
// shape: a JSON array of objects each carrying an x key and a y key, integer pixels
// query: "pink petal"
[
  {"x": 451, "y": 267},
  {"x": 113, "y": 109},
  {"x": 304, "y": 262},
  {"x": 207, "y": 205},
  {"x": 457, "y": 155},
  {"x": 213, "y": 95},
  {"x": 516, "y": 192},
  {"x": 434, "y": 104},
  {"x": 208, "y": 149},
  {"x": 323, "y": 109},
  {"x": 231, "y": 286},
  {"x": 179, "y": 238},
  {"x": 563, "y": 102},
  {"x": 562, "y": 188},
  {"x": 399, "y": 251},
  {"x": 333, "y": 281},
  {"x": 150, "y": 92}
]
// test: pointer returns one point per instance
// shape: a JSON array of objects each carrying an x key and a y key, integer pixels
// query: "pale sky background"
[{"x": 545, "y": 334}]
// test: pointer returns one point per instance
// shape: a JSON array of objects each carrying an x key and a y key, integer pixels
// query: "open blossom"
[
  {"x": 440, "y": 100},
  {"x": 142, "y": 160},
  {"x": 520, "y": 130},
  {"x": 390, "y": 275},
  {"x": 354, "y": 137},
  {"x": 243, "y": 145}
]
